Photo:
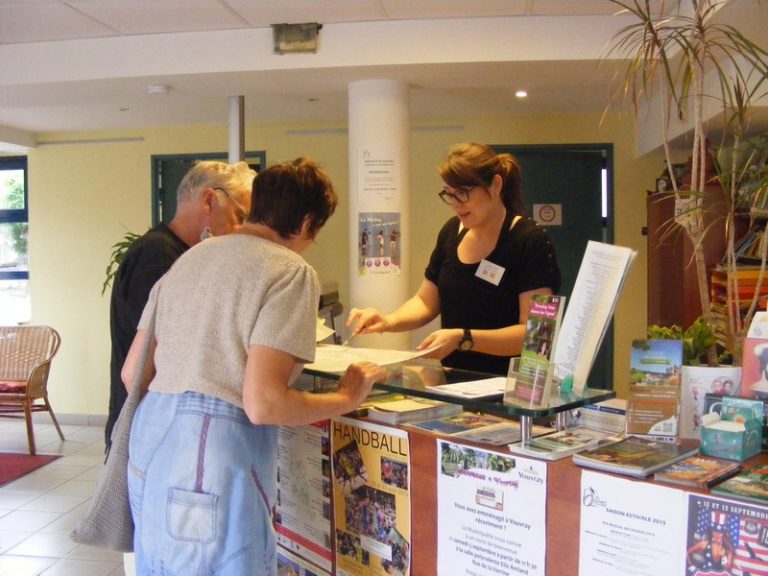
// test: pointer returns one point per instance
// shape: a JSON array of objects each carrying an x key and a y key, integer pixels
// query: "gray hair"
[{"x": 234, "y": 178}]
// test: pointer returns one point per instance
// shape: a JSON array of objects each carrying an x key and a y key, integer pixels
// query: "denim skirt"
[{"x": 202, "y": 485}]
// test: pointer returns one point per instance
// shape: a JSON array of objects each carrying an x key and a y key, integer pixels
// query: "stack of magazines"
[{"x": 636, "y": 456}]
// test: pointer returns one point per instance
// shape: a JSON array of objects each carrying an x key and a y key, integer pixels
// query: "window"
[{"x": 14, "y": 226}]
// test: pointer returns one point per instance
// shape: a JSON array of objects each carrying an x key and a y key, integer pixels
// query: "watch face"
[{"x": 465, "y": 344}]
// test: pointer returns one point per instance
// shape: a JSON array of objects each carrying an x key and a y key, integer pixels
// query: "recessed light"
[
  {"x": 521, "y": 94},
  {"x": 158, "y": 89}
]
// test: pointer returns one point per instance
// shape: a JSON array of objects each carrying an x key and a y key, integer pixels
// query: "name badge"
[{"x": 490, "y": 272}]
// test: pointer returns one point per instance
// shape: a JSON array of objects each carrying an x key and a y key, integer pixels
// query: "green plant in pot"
[
  {"x": 697, "y": 378},
  {"x": 697, "y": 339},
  {"x": 705, "y": 77},
  {"x": 116, "y": 257}
]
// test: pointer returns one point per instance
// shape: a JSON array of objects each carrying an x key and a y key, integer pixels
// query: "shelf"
[{"x": 413, "y": 377}]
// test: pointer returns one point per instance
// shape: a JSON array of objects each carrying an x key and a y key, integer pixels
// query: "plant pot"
[{"x": 697, "y": 381}]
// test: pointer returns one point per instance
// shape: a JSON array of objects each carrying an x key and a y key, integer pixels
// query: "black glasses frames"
[{"x": 459, "y": 195}]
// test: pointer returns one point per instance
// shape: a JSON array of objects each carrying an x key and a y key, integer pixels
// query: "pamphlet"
[
  {"x": 599, "y": 283},
  {"x": 473, "y": 389},
  {"x": 654, "y": 388},
  {"x": 541, "y": 331}
]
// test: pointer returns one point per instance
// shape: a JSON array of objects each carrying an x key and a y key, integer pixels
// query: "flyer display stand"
[{"x": 425, "y": 378}]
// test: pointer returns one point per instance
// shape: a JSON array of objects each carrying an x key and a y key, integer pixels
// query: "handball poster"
[{"x": 371, "y": 499}]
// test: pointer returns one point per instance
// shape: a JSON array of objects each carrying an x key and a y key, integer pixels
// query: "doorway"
[
  {"x": 168, "y": 171},
  {"x": 568, "y": 189}
]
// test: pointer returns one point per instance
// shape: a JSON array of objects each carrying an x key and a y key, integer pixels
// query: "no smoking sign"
[{"x": 548, "y": 214}]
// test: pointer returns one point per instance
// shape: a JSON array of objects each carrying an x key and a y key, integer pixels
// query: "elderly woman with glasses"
[
  {"x": 235, "y": 321},
  {"x": 490, "y": 259}
]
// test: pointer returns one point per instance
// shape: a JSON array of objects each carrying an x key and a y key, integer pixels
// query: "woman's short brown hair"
[{"x": 285, "y": 194}]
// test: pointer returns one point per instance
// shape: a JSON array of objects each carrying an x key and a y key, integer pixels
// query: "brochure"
[{"x": 563, "y": 443}]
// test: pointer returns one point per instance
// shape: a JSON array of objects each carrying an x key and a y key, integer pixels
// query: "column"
[
  {"x": 379, "y": 132},
  {"x": 236, "y": 129}
]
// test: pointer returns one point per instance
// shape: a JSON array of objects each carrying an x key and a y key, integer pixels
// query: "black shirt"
[
  {"x": 144, "y": 263},
  {"x": 527, "y": 257}
]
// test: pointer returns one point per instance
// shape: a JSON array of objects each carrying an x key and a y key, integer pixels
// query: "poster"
[
  {"x": 726, "y": 538},
  {"x": 379, "y": 179},
  {"x": 380, "y": 243},
  {"x": 303, "y": 511},
  {"x": 629, "y": 528},
  {"x": 291, "y": 565},
  {"x": 372, "y": 503},
  {"x": 491, "y": 512}
]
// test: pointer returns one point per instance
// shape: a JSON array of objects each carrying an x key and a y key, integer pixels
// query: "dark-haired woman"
[{"x": 488, "y": 262}]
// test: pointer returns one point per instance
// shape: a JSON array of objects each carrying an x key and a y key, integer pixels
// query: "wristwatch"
[{"x": 466, "y": 342}]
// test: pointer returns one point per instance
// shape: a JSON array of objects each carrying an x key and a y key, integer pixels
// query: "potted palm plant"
[{"x": 680, "y": 56}]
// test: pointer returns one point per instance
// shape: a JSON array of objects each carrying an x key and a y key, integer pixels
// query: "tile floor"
[{"x": 38, "y": 511}]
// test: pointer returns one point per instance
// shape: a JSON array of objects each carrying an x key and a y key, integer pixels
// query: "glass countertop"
[{"x": 413, "y": 377}]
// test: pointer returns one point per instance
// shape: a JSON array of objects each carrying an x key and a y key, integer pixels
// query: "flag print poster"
[{"x": 726, "y": 538}]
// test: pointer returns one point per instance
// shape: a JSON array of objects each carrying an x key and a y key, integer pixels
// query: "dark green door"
[
  {"x": 565, "y": 183},
  {"x": 168, "y": 171}
]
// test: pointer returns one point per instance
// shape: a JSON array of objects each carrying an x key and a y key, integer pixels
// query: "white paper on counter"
[
  {"x": 630, "y": 528},
  {"x": 336, "y": 358},
  {"x": 491, "y": 512}
]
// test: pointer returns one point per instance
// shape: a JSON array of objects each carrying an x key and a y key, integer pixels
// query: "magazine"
[
  {"x": 698, "y": 471},
  {"x": 750, "y": 484},
  {"x": 563, "y": 443},
  {"x": 478, "y": 428},
  {"x": 636, "y": 456},
  {"x": 398, "y": 408}
]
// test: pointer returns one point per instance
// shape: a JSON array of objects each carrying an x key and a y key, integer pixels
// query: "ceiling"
[{"x": 82, "y": 65}]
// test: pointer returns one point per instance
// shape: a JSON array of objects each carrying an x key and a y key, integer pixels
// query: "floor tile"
[
  {"x": 39, "y": 511},
  {"x": 44, "y": 545}
]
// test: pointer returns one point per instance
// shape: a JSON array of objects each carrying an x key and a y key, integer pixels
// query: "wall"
[{"x": 84, "y": 196}]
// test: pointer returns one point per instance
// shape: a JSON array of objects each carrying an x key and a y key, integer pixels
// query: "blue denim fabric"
[{"x": 202, "y": 484}]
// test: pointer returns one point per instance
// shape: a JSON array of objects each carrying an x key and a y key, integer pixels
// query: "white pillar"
[
  {"x": 236, "y": 129},
  {"x": 379, "y": 132}
]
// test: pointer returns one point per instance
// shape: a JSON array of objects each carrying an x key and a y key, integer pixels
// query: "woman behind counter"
[
  {"x": 488, "y": 262},
  {"x": 235, "y": 321}
]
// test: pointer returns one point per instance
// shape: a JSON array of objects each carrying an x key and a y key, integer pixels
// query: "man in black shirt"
[{"x": 213, "y": 198}]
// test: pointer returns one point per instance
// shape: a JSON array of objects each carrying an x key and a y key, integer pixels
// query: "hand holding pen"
[{"x": 365, "y": 321}]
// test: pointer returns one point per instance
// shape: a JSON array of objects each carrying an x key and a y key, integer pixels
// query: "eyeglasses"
[
  {"x": 241, "y": 213},
  {"x": 460, "y": 195}
]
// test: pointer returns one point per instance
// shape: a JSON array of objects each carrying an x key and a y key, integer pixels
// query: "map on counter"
[{"x": 336, "y": 358}]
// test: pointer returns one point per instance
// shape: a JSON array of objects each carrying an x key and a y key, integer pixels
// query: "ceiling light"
[
  {"x": 158, "y": 89},
  {"x": 521, "y": 94}
]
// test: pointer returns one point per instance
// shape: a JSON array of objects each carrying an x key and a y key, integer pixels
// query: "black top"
[
  {"x": 527, "y": 257},
  {"x": 146, "y": 260}
]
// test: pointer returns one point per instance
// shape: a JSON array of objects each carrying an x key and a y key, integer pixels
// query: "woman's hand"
[
  {"x": 447, "y": 340},
  {"x": 359, "y": 378},
  {"x": 366, "y": 321}
]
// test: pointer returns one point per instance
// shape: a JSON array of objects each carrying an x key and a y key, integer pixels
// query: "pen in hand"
[{"x": 354, "y": 334}]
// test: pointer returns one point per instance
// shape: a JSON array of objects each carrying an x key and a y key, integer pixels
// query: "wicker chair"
[{"x": 25, "y": 362}]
